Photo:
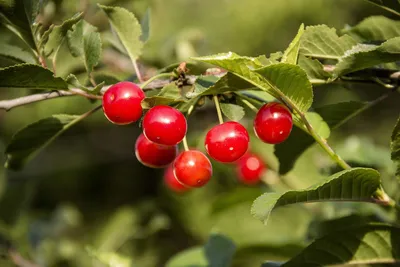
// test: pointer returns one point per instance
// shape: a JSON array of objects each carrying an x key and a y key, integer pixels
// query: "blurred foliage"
[{"x": 86, "y": 200}]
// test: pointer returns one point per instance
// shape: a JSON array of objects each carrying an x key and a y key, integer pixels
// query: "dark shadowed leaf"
[
  {"x": 27, "y": 76},
  {"x": 30, "y": 140},
  {"x": 369, "y": 244},
  {"x": 357, "y": 184}
]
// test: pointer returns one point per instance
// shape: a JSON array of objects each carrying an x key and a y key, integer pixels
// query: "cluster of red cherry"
[{"x": 164, "y": 127}]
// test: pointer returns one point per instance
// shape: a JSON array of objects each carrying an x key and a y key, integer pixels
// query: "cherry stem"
[
  {"x": 218, "y": 107},
  {"x": 161, "y": 75},
  {"x": 138, "y": 74},
  {"x": 185, "y": 144}
]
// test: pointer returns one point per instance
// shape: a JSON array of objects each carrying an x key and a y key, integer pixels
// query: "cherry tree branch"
[{"x": 9, "y": 104}]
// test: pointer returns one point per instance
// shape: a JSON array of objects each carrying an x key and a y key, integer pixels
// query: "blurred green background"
[{"x": 87, "y": 190}]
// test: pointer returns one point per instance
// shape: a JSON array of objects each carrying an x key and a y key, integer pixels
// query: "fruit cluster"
[{"x": 164, "y": 127}]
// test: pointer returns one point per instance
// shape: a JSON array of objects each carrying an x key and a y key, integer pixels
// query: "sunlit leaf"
[
  {"x": 292, "y": 52},
  {"x": 232, "y": 111}
]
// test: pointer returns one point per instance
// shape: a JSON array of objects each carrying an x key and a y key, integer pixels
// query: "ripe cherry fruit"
[
  {"x": 122, "y": 103},
  {"x": 273, "y": 123},
  {"x": 250, "y": 168},
  {"x": 192, "y": 168},
  {"x": 154, "y": 155},
  {"x": 171, "y": 182},
  {"x": 227, "y": 142},
  {"x": 164, "y": 125}
]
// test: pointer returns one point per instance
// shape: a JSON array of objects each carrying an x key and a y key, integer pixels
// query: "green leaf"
[
  {"x": 27, "y": 76},
  {"x": 374, "y": 28},
  {"x": 334, "y": 115},
  {"x": 277, "y": 79},
  {"x": 292, "y": 52},
  {"x": 232, "y": 111},
  {"x": 292, "y": 81},
  {"x": 73, "y": 82},
  {"x": 314, "y": 69},
  {"x": 17, "y": 53},
  {"x": 170, "y": 90},
  {"x": 357, "y": 184},
  {"x": 389, "y": 5},
  {"x": 395, "y": 146},
  {"x": 27, "y": 142},
  {"x": 145, "y": 22},
  {"x": 369, "y": 244},
  {"x": 54, "y": 37},
  {"x": 127, "y": 28},
  {"x": 217, "y": 252},
  {"x": 170, "y": 94},
  {"x": 92, "y": 48},
  {"x": 364, "y": 56},
  {"x": 75, "y": 39},
  {"x": 211, "y": 85},
  {"x": 322, "y": 42}
]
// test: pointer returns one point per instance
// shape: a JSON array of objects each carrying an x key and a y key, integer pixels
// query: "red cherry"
[
  {"x": 171, "y": 182},
  {"x": 227, "y": 142},
  {"x": 154, "y": 155},
  {"x": 164, "y": 125},
  {"x": 273, "y": 123},
  {"x": 250, "y": 168},
  {"x": 122, "y": 103},
  {"x": 192, "y": 168}
]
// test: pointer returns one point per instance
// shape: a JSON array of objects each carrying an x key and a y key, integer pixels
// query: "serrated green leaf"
[
  {"x": 145, "y": 23},
  {"x": 395, "y": 146},
  {"x": 389, "y": 5},
  {"x": 127, "y": 28},
  {"x": 152, "y": 101},
  {"x": 292, "y": 81},
  {"x": 30, "y": 140},
  {"x": 322, "y": 42},
  {"x": 232, "y": 111},
  {"x": 27, "y": 76},
  {"x": 211, "y": 85},
  {"x": 334, "y": 115},
  {"x": 292, "y": 52},
  {"x": 357, "y": 184},
  {"x": 277, "y": 79},
  {"x": 374, "y": 28},
  {"x": 364, "y": 56},
  {"x": 17, "y": 53},
  {"x": 369, "y": 244},
  {"x": 54, "y": 37},
  {"x": 75, "y": 39},
  {"x": 73, "y": 82},
  {"x": 314, "y": 69},
  {"x": 91, "y": 48}
]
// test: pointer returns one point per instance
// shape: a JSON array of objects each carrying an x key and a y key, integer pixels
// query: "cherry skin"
[
  {"x": 172, "y": 183},
  {"x": 249, "y": 168},
  {"x": 227, "y": 142},
  {"x": 164, "y": 125},
  {"x": 192, "y": 168},
  {"x": 273, "y": 123},
  {"x": 122, "y": 103},
  {"x": 154, "y": 155}
]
